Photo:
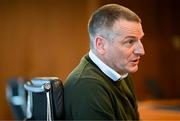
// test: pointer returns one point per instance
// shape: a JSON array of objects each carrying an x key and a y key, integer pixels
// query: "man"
[{"x": 100, "y": 87}]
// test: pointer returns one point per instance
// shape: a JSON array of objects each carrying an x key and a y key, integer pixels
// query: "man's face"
[{"x": 124, "y": 52}]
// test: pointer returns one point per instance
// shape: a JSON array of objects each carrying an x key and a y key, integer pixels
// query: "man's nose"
[{"x": 139, "y": 49}]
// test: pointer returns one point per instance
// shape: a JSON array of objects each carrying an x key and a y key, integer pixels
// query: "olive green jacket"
[{"x": 91, "y": 95}]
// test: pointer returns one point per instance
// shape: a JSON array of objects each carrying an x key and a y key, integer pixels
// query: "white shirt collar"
[{"x": 105, "y": 68}]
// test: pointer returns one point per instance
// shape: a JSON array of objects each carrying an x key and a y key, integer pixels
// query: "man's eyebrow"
[
  {"x": 128, "y": 37},
  {"x": 133, "y": 37}
]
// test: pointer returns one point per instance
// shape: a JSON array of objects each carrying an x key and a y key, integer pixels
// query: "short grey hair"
[{"x": 102, "y": 20}]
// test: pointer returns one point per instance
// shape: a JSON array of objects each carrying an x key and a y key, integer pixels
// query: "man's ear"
[{"x": 100, "y": 44}]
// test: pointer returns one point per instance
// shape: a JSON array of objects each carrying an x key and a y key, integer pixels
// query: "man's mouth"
[{"x": 135, "y": 61}]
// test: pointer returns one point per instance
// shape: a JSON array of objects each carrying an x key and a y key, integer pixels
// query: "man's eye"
[{"x": 131, "y": 41}]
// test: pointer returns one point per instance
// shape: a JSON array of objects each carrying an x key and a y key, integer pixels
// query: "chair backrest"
[
  {"x": 16, "y": 97},
  {"x": 45, "y": 99}
]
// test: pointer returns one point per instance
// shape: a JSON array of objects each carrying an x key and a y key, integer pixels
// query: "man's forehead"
[{"x": 128, "y": 28}]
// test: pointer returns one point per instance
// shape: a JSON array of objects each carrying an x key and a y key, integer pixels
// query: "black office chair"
[
  {"x": 16, "y": 97},
  {"x": 45, "y": 99}
]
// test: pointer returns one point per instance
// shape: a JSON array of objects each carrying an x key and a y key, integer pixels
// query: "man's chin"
[{"x": 133, "y": 69}]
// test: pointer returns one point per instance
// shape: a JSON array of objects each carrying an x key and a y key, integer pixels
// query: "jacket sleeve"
[{"x": 92, "y": 101}]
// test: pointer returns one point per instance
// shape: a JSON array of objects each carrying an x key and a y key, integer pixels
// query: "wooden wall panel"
[{"x": 41, "y": 38}]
